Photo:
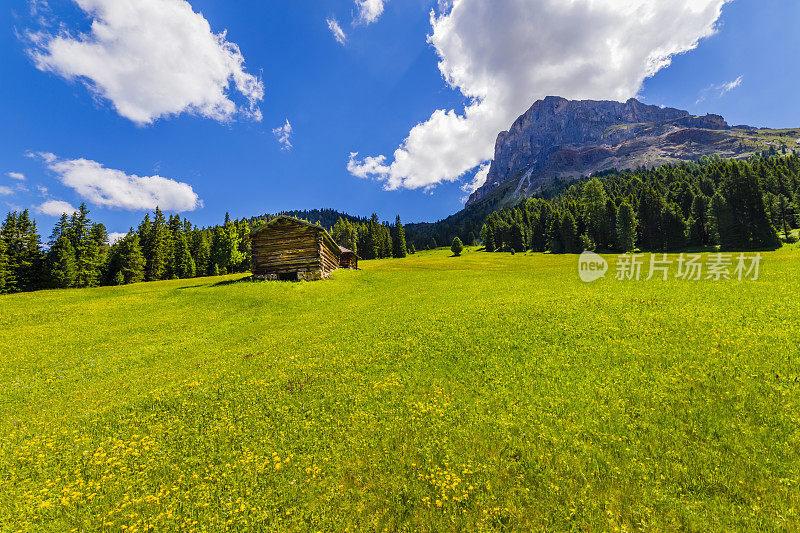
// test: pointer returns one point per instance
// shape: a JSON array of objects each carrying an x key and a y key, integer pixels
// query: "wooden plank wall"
[
  {"x": 330, "y": 256},
  {"x": 285, "y": 248}
]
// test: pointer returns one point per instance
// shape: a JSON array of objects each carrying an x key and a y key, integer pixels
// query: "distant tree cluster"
[
  {"x": 371, "y": 239},
  {"x": 79, "y": 254},
  {"x": 733, "y": 204}
]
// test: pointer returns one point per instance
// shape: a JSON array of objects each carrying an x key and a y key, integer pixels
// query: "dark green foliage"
[
  {"x": 3, "y": 265},
  {"x": 674, "y": 227},
  {"x": 156, "y": 248},
  {"x": 399, "y": 249},
  {"x": 568, "y": 231},
  {"x": 664, "y": 200},
  {"x": 699, "y": 230},
  {"x": 627, "y": 225},
  {"x": 457, "y": 247},
  {"x": 61, "y": 264},
  {"x": 517, "y": 241},
  {"x": 23, "y": 252}
]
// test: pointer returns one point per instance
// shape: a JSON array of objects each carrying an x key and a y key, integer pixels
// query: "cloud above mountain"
[
  {"x": 152, "y": 59},
  {"x": 502, "y": 55}
]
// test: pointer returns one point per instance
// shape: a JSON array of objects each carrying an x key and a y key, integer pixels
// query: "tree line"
[
  {"x": 78, "y": 253},
  {"x": 372, "y": 239},
  {"x": 734, "y": 204}
]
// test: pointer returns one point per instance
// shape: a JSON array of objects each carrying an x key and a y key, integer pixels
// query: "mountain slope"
[{"x": 559, "y": 139}]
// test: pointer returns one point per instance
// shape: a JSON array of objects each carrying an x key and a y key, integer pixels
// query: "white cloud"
[
  {"x": 336, "y": 30},
  {"x": 16, "y": 176},
  {"x": 55, "y": 208},
  {"x": 722, "y": 89},
  {"x": 731, "y": 85},
  {"x": 5, "y": 191},
  {"x": 283, "y": 135},
  {"x": 107, "y": 187},
  {"x": 152, "y": 59},
  {"x": 504, "y": 55},
  {"x": 369, "y": 10},
  {"x": 477, "y": 180},
  {"x": 114, "y": 238}
]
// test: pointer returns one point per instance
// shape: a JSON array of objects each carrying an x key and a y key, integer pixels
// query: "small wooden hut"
[
  {"x": 293, "y": 250},
  {"x": 348, "y": 259}
]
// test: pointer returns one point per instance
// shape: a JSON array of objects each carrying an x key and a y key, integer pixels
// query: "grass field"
[{"x": 480, "y": 393}]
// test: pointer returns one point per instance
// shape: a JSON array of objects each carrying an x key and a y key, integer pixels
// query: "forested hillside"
[
  {"x": 78, "y": 252},
  {"x": 734, "y": 204}
]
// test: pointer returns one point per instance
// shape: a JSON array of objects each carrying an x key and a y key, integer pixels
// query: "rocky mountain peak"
[{"x": 564, "y": 138}]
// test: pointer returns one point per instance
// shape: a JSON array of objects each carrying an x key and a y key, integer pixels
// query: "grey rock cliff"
[{"x": 559, "y": 138}]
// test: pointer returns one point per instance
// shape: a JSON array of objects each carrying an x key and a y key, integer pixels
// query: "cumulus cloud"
[
  {"x": 152, "y": 59},
  {"x": 16, "y": 176},
  {"x": 721, "y": 90},
  {"x": 107, "y": 187},
  {"x": 55, "y": 208},
  {"x": 369, "y": 10},
  {"x": 336, "y": 30},
  {"x": 114, "y": 238},
  {"x": 502, "y": 55},
  {"x": 5, "y": 191},
  {"x": 283, "y": 135}
]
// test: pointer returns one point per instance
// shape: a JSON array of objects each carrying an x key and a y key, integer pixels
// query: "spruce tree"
[
  {"x": 157, "y": 243},
  {"x": 517, "y": 238},
  {"x": 87, "y": 250},
  {"x": 3, "y": 265},
  {"x": 626, "y": 228},
  {"x": 61, "y": 264},
  {"x": 487, "y": 235},
  {"x": 569, "y": 233},
  {"x": 674, "y": 227},
  {"x": 132, "y": 261},
  {"x": 399, "y": 239},
  {"x": 457, "y": 247},
  {"x": 594, "y": 210}
]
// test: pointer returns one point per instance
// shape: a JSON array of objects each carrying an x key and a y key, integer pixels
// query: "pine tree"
[
  {"x": 201, "y": 252},
  {"x": 554, "y": 242},
  {"x": 723, "y": 226},
  {"x": 698, "y": 222},
  {"x": 626, "y": 228},
  {"x": 569, "y": 233},
  {"x": 3, "y": 265},
  {"x": 674, "y": 227},
  {"x": 61, "y": 264},
  {"x": 457, "y": 247},
  {"x": 23, "y": 252},
  {"x": 183, "y": 264},
  {"x": 87, "y": 250},
  {"x": 487, "y": 236},
  {"x": 517, "y": 239},
  {"x": 594, "y": 210},
  {"x": 156, "y": 252},
  {"x": 126, "y": 261},
  {"x": 399, "y": 239}
]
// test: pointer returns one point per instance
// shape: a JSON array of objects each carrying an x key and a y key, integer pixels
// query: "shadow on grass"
[
  {"x": 191, "y": 287},
  {"x": 228, "y": 282}
]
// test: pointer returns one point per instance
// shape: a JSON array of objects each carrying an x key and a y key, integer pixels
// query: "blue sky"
[{"x": 363, "y": 95}]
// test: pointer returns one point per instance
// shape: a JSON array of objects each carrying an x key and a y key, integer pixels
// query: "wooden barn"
[
  {"x": 293, "y": 250},
  {"x": 348, "y": 259}
]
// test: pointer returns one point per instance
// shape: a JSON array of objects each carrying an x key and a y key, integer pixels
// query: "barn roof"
[
  {"x": 346, "y": 251},
  {"x": 325, "y": 235}
]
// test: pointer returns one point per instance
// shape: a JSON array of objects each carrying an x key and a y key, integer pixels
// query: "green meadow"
[{"x": 488, "y": 392}]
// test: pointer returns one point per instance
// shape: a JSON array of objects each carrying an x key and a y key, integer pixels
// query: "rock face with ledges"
[{"x": 559, "y": 138}]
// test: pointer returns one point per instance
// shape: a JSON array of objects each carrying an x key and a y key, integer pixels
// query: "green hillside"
[{"x": 487, "y": 392}]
